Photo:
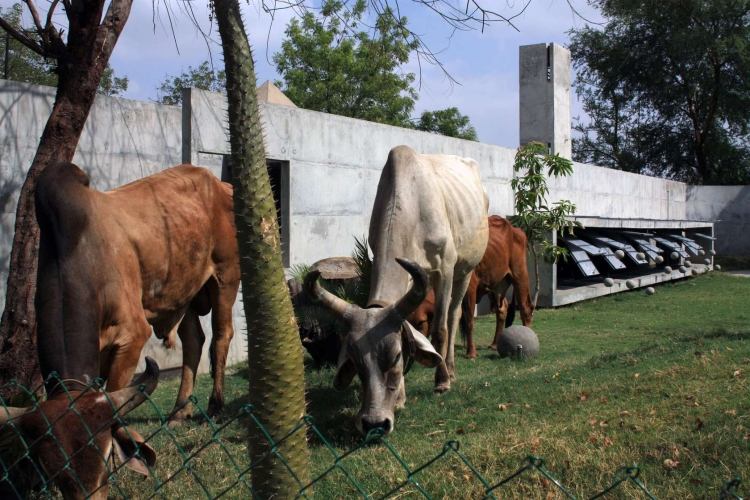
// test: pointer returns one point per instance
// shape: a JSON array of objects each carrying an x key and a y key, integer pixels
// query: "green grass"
[{"x": 659, "y": 381}]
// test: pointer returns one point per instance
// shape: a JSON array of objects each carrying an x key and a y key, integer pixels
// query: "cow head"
[
  {"x": 378, "y": 346},
  {"x": 70, "y": 437}
]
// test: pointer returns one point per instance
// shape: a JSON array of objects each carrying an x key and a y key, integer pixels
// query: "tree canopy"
[
  {"x": 448, "y": 121},
  {"x": 666, "y": 87},
  {"x": 204, "y": 77},
  {"x": 327, "y": 64},
  {"x": 21, "y": 64}
]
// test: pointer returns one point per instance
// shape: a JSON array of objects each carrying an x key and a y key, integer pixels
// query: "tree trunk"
[
  {"x": 274, "y": 350},
  {"x": 80, "y": 67}
]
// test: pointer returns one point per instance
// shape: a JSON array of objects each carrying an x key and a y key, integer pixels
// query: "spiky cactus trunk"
[{"x": 274, "y": 349}]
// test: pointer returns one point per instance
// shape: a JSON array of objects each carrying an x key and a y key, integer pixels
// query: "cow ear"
[
  {"x": 125, "y": 442},
  {"x": 424, "y": 353},
  {"x": 344, "y": 374}
]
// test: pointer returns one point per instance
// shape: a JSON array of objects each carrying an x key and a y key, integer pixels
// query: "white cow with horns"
[{"x": 430, "y": 219}]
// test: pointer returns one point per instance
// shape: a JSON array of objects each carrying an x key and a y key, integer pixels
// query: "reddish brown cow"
[
  {"x": 503, "y": 264},
  {"x": 157, "y": 253},
  {"x": 70, "y": 441}
]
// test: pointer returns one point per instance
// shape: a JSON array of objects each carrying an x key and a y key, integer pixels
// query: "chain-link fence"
[{"x": 65, "y": 445}]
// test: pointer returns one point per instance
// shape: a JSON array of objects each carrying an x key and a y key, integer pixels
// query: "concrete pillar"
[{"x": 544, "y": 95}]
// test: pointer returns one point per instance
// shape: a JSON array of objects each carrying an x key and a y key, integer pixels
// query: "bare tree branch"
[{"x": 22, "y": 37}]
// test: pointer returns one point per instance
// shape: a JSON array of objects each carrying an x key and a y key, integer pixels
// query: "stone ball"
[
  {"x": 674, "y": 256},
  {"x": 619, "y": 254},
  {"x": 707, "y": 262},
  {"x": 630, "y": 284},
  {"x": 650, "y": 290},
  {"x": 518, "y": 342},
  {"x": 667, "y": 269},
  {"x": 659, "y": 259},
  {"x": 688, "y": 263},
  {"x": 683, "y": 269},
  {"x": 652, "y": 264},
  {"x": 712, "y": 251},
  {"x": 701, "y": 252},
  {"x": 640, "y": 256},
  {"x": 609, "y": 282},
  {"x": 717, "y": 267}
]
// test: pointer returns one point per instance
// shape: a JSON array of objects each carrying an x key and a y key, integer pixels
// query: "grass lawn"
[{"x": 658, "y": 381}]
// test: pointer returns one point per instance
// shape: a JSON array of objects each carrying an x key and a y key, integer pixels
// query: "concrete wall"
[
  {"x": 333, "y": 164},
  {"x": 729, "y": 206}
]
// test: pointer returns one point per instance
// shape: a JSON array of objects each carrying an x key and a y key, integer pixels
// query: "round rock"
[
  {"x": 674, "y": 256},
  {"x": 652, "y": 264},
  {"x": 667, "y": 269},
  {"x": 518, "y": 342},
  {"x": 701, "y": 252},
  {"x": 683, "y": 269},
  {"x": 619, "y": 254},
  {"x": 630, "y": 284},
  {"x": 659, "y": 259},
  {"x": 707, "y": 261},
  {"x": 688, "y": 263},
  {"x": 712, "y": 251},
  {"x": 717, "y": 267},
  {"x": 640, "y": 256},
  {"x": 609, "y": 282},
  {"x": 650, "y": 290}
]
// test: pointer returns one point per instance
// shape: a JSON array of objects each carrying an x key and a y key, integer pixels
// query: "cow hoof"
[
  {"x": 175, "y": 422},
  {"x": 472, "y": 354},
  {"x": 214, "y": 407},
  {"x": 492, "y": 347},
  {"x": 441, "y": 388}
]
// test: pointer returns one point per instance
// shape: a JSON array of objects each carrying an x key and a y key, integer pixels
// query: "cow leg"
[
  {"x": 192, "y": 338},
  {"x": 125, "y": 353},
  {"x": 439, "y": 333},
  {"x": 469, "y": 305},
  {"x": 222, "y": 301},
  {"x": 501, "y": 311},
  {"x": 454, "y": 316},
  {"x": 520, "y": 276}
]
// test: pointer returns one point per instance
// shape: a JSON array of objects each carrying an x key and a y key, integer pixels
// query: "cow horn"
[
  {"x": 418, "y": 290},
  {"x": 127, "y": 399},
  {"x": 9, "y": 413},
  {"x": 336, "y": 304}
]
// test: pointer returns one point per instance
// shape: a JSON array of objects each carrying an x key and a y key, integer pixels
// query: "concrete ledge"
[{"x": 565, "y": 296}]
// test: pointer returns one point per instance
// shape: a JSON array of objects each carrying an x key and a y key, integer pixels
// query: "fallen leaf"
[
  {"x": 624, "y": 413},
  {"x": 608, "y": 441},
  {"x": 670, "y": 464},
  {"x": 584, "y": 396},
  {"x": 731, "y": 413},
  {"x": 636, "y": 375},
  {"x": 698, "y": 423},
  {"x": 526, "y": 405},
  {"x": 460, "y": 430},
  {"x": 503, "y": 406},
  {"x": 603, "y": 423},
  {"x": 535, "y": 442},
  {"x": 593, "y": 421},
  {"x": 737, "y": 373},
  {"x": 603, "y": 400},
  {"x": 593, "y": 439}
]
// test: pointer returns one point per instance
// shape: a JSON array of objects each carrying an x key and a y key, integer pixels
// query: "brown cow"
[
  {"x": 70, "y": 441},
  {"x": 503, "y": 264},
  {"x": 157, "y": 252}
]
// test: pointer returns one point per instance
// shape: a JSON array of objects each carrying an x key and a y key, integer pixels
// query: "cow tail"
[{"x": 63, "y": 292}]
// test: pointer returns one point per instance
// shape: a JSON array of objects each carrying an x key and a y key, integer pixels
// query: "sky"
[{"x": 161, "y": 40}]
